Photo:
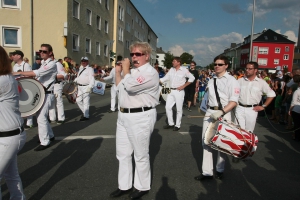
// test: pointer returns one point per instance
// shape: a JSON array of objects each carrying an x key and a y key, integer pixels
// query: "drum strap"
[
  {"x": 81, "y": 72},
  {"x": 217, "y": 95}
]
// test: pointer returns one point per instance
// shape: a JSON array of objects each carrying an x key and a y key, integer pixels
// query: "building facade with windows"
[{"x": 74, "y": 28}]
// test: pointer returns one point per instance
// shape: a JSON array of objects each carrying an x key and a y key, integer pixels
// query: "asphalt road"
[{"x": 81, "y": 163}]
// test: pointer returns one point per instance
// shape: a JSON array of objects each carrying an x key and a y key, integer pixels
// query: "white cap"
[
  {"x": 278, "y": 68},
  {"x": 84, "y": 58}
]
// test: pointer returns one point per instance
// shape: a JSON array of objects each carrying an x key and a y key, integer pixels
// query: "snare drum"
[
  {"x": 70, "y": 90},
  {"x": 165, "y": 90},
  {"x": 32, "y": 96},
  {"x": 229, "y": 138}
]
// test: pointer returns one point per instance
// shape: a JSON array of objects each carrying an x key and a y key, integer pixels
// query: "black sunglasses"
[
  {"x": 136, "y": 54},
  {"x": 219, "y": 64},
  {"x": 43, "y": 51}
]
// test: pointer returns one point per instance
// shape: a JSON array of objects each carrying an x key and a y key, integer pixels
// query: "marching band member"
[
  {"x": 46, "y": 76},
  {"x": 58, "y": 86},
  {"x": 12, "y": 134},
  {"x": 113, "y": 90},
  {"x": 138, "y": 96},
  {"x": 85, "y": 81},
  {"x": 177, "y": 77},
  {"x": 21, "y": 65},
  {"x": 228, "y": 89}
]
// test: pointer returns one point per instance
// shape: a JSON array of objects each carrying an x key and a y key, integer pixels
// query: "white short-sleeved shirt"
[
  {"x": 140, "y": 88},
  {"x": 178, "y": 77},
  {"x": 228, "y": 89},
  {"x": 10, "y": 116},
  {"x": 46, "y": 74},
  {"x": 60, "y": 69},
  {"x": 252, "y": 91},
  {"x": 22, "y": 67},
  {"x": 296, "y": 101},
  {"x": 86, "y": 77},
  {"x": 111, "y": 76}
]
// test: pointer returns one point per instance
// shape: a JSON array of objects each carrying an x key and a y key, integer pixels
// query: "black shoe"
[
  {"x": 118, "y": 193},
  {"x": 176, "y": 128},
  {"x": 60, "y": 122},
  {"x": 235, "y": 160},
  {"x": 219, "y": 175},
  {"x": 84, "y": 119},
  {"x": 51, "y": 139},
  {"x": 189, "y": 109},
  {"x": 28, "y": 127},
  {"x": 138, "y": 194},
  {"x": 111, "y": 111},
  {"x": 201, "y": 177},
  {"x": 42, "y": 147},
  {"x": 168, "y": 126}
]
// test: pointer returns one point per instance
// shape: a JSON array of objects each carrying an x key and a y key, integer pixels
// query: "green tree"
[
  {"x": 210, "y": 66},
  {"x": 186, "y": 58},
  {"x": 168, "y": 60}
]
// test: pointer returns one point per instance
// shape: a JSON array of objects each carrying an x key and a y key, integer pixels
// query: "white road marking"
[
  {"x": 85, "y": 137},
  {"x": 187, "y": 133}
]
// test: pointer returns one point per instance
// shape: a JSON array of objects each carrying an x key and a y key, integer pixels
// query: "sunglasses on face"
[
  {"x": 249, "y": 68},
  {"x": 43, "y": 51},
  {"x": 84, "y": 61},
  {"x": 136, "y": 54},
  {"x": 219, "y": 64}
]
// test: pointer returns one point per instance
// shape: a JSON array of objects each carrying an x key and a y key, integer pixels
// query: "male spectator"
[
  {"x": 36, "y": 65},
  {"x": 228, "y": 90},
  {"x": 252, "y": 89},
  {"x": 21, "y": 66},
  {"x": 156, "y": 67},
  {"x": 85, "y": 81},
  {"x": 294, "y": 72},
  {"x": 113, "y": 89},
  {"x": 138, "y": 97},
  {"x": 177, "y": 77},
  {"x": 191, "y": 89},
  {"x": 46, "y": 76}
]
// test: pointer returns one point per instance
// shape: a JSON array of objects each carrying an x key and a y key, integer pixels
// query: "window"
[
  {"x": 128, "y": 8},
  {"x": 75, "y": 42},
  {"x": 87, "y": 45},
  {"x": 132, "y": 23},
  {"x": 262, "y": 61},
  {"x": 287, "y": 49},
  {"x": 277, "y": 50},
  {"x": 106, "y": 26},
  {"x": 263, "y": 50},
  {"x": 285, "y": 57},
  {"x": 107, "y": 4},
  {"x": 11, "y": 36},
  {"x": 285, "y": 66},
  {"x": 88, "y": 17},
  {"x": 10, "y": 4},
  {"x": 275, "y": 37},
  {"x": 120, "y": 33},
  {"x": 276, "y": 61},
  {"x": 76, "y": 9},
  {"x": 121, "y": 13},
  {"x": 105, "y": 50},
  {"x": 97, "y": 48},
  {"x": 266, "y": 37},
  {"x": 98, "y": 21},
  {"x": 127, "y": 44},
  {"x": 128, "y": 28}
]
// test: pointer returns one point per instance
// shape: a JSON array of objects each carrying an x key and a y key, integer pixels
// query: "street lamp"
[
  {"x": 109, "y": 44},
  {"x": 253, "y": 13}
]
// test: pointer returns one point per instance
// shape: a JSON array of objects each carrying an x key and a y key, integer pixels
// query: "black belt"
[
  {"x": 247, "y": 105},
  {"x": 173, "y": 88},
  {"x": 48, "y": 92},
  {"x": 12, "y": 133},
  {"x": 135, "y": 110},
  {"x": 82, "y": 85},
  {"x": 58, "y": 82},
  {"x": 214, "y": 108}
]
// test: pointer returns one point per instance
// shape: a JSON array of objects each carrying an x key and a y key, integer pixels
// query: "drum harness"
[{"x": 79, "y": 84}]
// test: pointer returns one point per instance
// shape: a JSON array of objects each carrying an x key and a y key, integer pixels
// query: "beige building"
[{"x": 74, "y": 28}]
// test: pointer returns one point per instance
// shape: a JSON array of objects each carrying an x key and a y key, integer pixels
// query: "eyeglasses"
[
  {"x": 249, "y": 68},
  {"x": 219, "y": 64},
  {"x": 43, "y": 51},
  {"x": 84, "y": 61},
  {"x": 192, "y": 65},
  {"x": 136, "y": 54}
]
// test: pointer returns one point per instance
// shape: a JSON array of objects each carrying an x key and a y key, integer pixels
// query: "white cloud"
[
  {"x": 176, "y": 50},
  {"x": 183, "y": 20},
  {"x": 291, "y": 35}
]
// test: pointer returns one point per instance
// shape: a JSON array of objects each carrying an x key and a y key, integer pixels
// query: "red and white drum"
[
  {"x": 70, "y": 90},
  {"x": 229, "y": 138},
  {"x": 32, "y": 96}
]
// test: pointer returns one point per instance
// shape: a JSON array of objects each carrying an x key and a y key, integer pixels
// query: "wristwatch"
[{"x": 264, "y": 105}]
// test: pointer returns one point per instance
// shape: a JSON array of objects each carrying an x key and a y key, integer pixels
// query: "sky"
[{"x": 204, "y": 28}]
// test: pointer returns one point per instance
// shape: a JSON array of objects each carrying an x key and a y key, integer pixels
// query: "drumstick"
[{"x": 195, "y": 116}]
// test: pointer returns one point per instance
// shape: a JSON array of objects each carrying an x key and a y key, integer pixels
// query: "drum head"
[
  {"x": 32, "y": 96},
  {"x": 69, "y": 88}
]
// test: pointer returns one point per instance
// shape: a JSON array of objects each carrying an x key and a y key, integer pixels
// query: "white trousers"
[
  {"x": 83, "y": 100},
  {"x": 113, "y": 94},
  {"x": 207, "y": 162},
  {"x": 44, "y": 128},
  {"x": 177, "y": 97},
  {"x": 29, "y": 121},
  {"x": 133, "y": 135},
  {"x": 9, "y": 148},
  {"x": 246, "y": 117},
  {"x": 58, "y": 104}
]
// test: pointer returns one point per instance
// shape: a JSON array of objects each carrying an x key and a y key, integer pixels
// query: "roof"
[
  {"x": 273, "y": 37},
  {"x": 159, "y": 50}
]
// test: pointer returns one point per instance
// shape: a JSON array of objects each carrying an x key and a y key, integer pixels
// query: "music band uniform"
[
  {"x": 113, "y": 89},
  {"x": 177, "y": 78},
  {"x": 137, "y": 90},
  {"x": 85, "y": 81},
  {"x": 250, "y": 96},
  {"x": 58, "y": 86},
  {"x": 24, "y": 67},
  {"x": 10, "y": 144},
  {"x": 228, "y": 89}
]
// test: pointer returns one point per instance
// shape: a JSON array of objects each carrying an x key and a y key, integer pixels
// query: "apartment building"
[{"x": 74, "y": 28}]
